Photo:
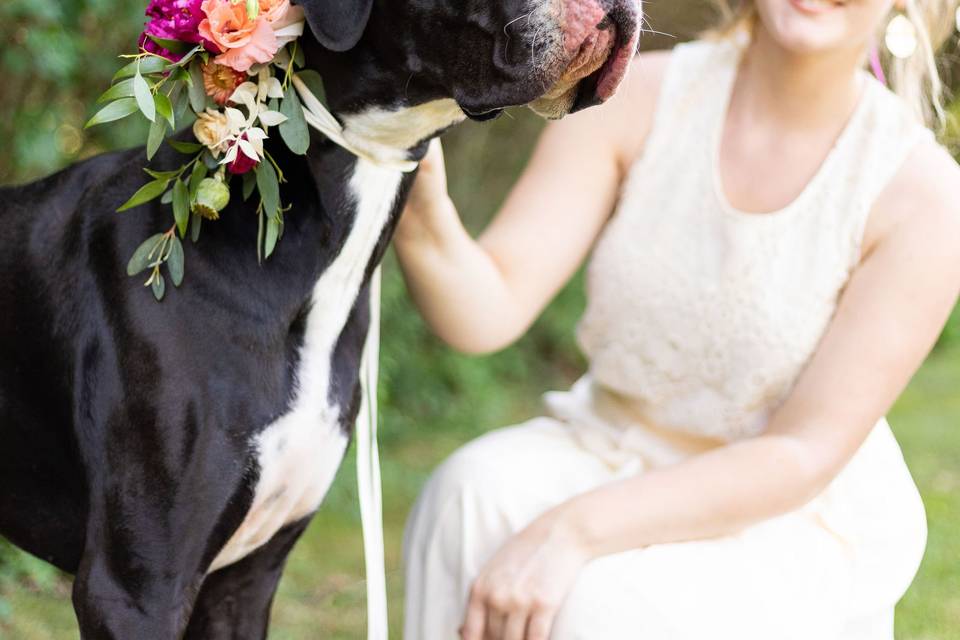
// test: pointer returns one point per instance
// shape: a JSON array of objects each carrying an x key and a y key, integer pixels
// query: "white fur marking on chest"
[{"x": 300, "y": 452}]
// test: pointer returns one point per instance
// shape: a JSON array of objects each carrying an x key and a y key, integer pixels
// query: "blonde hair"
[{"x": 916, "y": 79}]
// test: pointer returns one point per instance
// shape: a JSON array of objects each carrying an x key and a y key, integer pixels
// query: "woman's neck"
[{"x": 799, "y": 91}]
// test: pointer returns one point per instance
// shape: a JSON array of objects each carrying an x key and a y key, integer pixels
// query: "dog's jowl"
[{"x": 170, "y": 454}]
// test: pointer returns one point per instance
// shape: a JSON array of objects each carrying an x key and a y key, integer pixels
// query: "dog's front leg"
[{"x": 162, "y": 505}]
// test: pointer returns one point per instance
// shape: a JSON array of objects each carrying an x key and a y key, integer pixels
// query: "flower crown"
[{"x": 237, "y": 66}]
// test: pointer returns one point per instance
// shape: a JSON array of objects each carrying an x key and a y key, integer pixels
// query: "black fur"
[{"x": 126, "y": 425}]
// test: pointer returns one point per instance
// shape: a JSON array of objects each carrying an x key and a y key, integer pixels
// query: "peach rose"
[
  {"x": 244, "y": 42},
  {"x": 274, "y": 11}
]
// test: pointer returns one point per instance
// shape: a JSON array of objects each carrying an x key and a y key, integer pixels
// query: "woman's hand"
[
  {"x": 428, "y": 209},
  {"x": 519, "y": 591}
]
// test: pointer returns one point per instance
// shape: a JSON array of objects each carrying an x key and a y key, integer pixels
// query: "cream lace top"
[{"x": 701, "y": 317}]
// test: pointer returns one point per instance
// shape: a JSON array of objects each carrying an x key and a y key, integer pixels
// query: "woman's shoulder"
[{"x": 922, "y": 197}]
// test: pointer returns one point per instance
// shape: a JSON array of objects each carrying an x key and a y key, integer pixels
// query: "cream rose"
[{"x": 212, "y": 130}]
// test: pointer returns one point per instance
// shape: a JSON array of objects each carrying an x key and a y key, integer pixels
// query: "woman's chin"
[{"x": 805, "y": 37}]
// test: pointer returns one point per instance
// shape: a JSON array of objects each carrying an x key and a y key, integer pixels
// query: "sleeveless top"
[{"x": 700, "y": 317}]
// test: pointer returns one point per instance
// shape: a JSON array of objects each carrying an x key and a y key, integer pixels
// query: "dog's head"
[{"x": 474, "y": 56}]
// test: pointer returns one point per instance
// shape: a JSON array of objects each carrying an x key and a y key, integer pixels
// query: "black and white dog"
[{"x": 171, "y": 454}]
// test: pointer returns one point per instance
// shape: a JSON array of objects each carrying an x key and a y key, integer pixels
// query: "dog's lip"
[{"x": 602, "y": 84}]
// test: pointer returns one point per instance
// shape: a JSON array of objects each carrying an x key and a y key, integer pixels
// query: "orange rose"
[{"x": 243, "y": 41}]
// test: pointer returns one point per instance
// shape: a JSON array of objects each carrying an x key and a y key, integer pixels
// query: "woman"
[{"x": 783, "y": 255}]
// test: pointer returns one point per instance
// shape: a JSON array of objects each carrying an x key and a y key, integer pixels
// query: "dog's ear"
[{"x": 337, "y": 24}]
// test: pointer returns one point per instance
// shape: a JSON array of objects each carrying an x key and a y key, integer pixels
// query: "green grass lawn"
[{"x": 322, "y": 594}]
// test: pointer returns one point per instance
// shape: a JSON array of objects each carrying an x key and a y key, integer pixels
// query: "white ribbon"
[
  {"x": 368, "y": 474},
  {"x": 318, "y": 117}
]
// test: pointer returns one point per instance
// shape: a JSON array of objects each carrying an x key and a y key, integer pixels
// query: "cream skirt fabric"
[{"x": 814, "y": 574}]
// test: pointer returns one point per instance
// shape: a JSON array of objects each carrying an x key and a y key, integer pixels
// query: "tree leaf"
[
  {"x": 272, "y": 235},
  {"x": 141, "y": 91},
  {"x": 294, "y": 131},
  {"x": 146, "y": 193},
  {"x": 167, "y": 197},
  {"x": 147, "y": 65},
  {"x": 159, "y": 287},
  {"x": 164, "y": 108},
  {"x": 113, "y": 111},
  {"x": 122, "y": 89},
  {"x": 158, "y": 129},
  {"x": 198, "y": 95},
  {"x": 269, "y": 188},
  {"x": 142, "y": 258},
  {"x": 181, "y": 207},
  {"x": 175, "y": 262}
]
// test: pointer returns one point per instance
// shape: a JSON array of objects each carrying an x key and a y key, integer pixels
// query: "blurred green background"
[{"x": 58, "y": 56}]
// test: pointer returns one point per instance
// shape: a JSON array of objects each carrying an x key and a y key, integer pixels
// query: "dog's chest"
[{"x": 299, "y": 453}]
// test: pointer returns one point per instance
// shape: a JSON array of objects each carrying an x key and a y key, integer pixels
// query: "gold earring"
[{"x": 901, "y": 37}]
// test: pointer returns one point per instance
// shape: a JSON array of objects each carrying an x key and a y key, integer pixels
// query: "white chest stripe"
[{"x": 300, "y": 452}]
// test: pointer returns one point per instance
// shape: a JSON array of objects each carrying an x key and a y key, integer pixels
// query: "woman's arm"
[
  {"x": 481, "y": 295},
  {"x": 888, "y": 318}
]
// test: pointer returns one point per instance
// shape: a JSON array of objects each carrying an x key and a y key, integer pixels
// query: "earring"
[{"x": 901, "y": 37}]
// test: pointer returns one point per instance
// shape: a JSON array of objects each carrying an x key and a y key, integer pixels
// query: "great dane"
[{"x": 170, "y": 454}]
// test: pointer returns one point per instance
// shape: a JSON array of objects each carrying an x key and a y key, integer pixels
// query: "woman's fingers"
[
  {"x": 516, "y": 626},
  {"x": 475, "y": 621},
  {"x": 540, "y": 624}
]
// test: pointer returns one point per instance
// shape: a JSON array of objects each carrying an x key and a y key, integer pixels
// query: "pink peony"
[
  {"x": 242, "y": 41},
  {"x": 172, "y": 20}
]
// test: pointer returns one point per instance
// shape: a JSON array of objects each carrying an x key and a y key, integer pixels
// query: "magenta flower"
[{"x": 172, "y": 20}]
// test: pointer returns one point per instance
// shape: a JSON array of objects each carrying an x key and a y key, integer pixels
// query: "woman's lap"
[{"x": 785, "y": 578}]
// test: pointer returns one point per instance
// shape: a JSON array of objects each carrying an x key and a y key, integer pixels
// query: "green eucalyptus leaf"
[
  {"x": 159, "y": 286},
  {"x": 164, "y": 108},
  {"x": 141, "y": 91},
  {"x": 196, "y": 177},
  {"x": 249, "y": 184},
  {"x": 122, "y": 89},
  {"x": 174, "y": 46},
  {"x": 298, "y": 58},
  {"x": 185, "y": 147},
  {"x": 294, "y": 131},
  {"x": 147, "y": 65},
  {"x": 146, "y": 193},
  {"x": 196, "y": 221},
  {"x": 113, "y": 111},
  {"x": 158, "y": 129},
  {"x": 269, "y": 188},
  {"x": 198, "y": 95},
  {"x": 212, "y": 163},
  {"x": 271, "y": 236},
  {"x": 161, "y": 175},
  {"x": 175, "y": 262},
  {"x": 181, "y": 102},
  {"x": 167, "y": 197},
  {"x": 181, "y": 207},
  {"x": 144, "y": 256},
  {"x": 314, "y": 82}
]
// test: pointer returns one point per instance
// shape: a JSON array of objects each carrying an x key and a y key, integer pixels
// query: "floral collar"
[{"x": 238, "y": 67}]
